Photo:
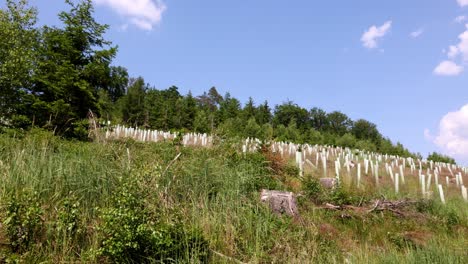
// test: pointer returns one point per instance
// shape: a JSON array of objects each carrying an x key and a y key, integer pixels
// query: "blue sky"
[{"x": 402, "y": 74}]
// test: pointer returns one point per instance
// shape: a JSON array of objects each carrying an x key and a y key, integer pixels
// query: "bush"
[
  {"x": 23, "y": 222},
  {"x": 68, "y": 219},
  {"x": 312, "y": 189},
  {"x": 131, "y": 234},
  {"x": 291, "y": 170}
]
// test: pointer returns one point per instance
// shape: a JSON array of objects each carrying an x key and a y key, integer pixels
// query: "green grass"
[{"x": 74, "y": 198}]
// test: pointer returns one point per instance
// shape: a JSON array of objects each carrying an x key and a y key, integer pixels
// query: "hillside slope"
[{"x": 124, "y": 201}]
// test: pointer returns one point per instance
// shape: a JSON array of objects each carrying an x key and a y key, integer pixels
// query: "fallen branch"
[
  {"x": 170, "y": 163},
  {"x": 378, "y": 205}
]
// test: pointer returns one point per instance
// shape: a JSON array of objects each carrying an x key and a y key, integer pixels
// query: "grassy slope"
[{"x": 214, "y": 190}]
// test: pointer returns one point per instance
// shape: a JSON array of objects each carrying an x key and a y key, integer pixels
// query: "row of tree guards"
[{"x": 362, "y": 168}]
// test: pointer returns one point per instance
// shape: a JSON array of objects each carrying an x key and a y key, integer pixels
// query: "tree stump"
[
  {"x": 328, "y": 183},
  {"x": 280, "y": 202}
]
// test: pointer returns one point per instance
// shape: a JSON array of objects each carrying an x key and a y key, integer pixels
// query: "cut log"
[{"x": 280, "y": 202}]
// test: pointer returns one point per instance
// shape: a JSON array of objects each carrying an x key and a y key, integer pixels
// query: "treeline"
[
  {"x": 145, "y": 106},
  {"x": 51, "y": 77},
  {"x": 437, "y": 157}
]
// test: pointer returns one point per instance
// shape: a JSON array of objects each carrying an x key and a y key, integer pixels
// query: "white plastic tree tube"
[
  {"x": 337, "y": 169},
  {"x": 324, "y": 162},
  {"x": 441, "y": 193},
  {"x": 396, "y": 183},
  {"x": 359, "y": 174},
  {"x": 464, "y": 193},
  {"x": 429, "y": 182},
  {"x": 376, "y": 170},
  {"x": 402, "y": 174},
  {"x": 366, "y": 166},
  {"x": 423, "y": 185}
]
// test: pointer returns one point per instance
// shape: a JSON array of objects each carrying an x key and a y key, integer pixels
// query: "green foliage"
[
  {"x": 133, "y": 110},
  {"x": 131, "y": 234},
  {"x": 344, "y": 196},
  {"x": 437, "y": 157},
  {"x": 201, "y": 124},
  {"x": 288, "y": 113},
  {"x": 339, "y": 195},
  {"x": 339, "y": 123},
  {"x": 99, "y": 204},
  {"x": 365, "y": 130},
  {"x": 23, "y": 221},
  {"x": 71, "y": 68},
  {"x": 448, "y": 216},
  {"x": 291, "y": 170},
  {"x": 400, "y": 241},
  {"x": 318, "y": 118},
  {"x": 68, "y": 223},
  {"x": 312, "y": 189},
  {"x": 252, "y": 129},
  {"x": 17, "y": 56},
  {"x": 347, "y": 140}
]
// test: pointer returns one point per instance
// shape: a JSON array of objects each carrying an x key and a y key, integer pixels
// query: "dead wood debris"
[{"x": 396, "y": 207}]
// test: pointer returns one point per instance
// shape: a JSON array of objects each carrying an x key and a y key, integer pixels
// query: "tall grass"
[{"x": 213, "y": 191}]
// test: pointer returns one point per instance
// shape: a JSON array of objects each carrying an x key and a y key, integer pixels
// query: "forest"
[{"x": 51, "y": 77}]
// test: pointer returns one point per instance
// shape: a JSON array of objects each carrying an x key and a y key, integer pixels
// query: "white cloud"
[
  {"x": 458, "y": 52},
  {"x": 142, "y": 13},
  {"x": 452, "y": 137},
  {"x": 417, "y": 33},
  {"x": 452, "y": 52},
  {"x": 460, "y": 19},
  {"x": 427, "y": 135},
  {"x": 462, "y": 3},
  {"x": 370, "y": 37},
  {"x": 448, "y": 68},
  {"x": 462, "y": 46}
]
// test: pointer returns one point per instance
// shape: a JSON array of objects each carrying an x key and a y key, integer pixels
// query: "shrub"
[
  {"x": 68, "y": 218},
  {"x": 131, "y": 234},
  {"x": 23, "y": 222},
  {"x": 291, "y": 170},
  {"x": 312, "y": 189}
]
